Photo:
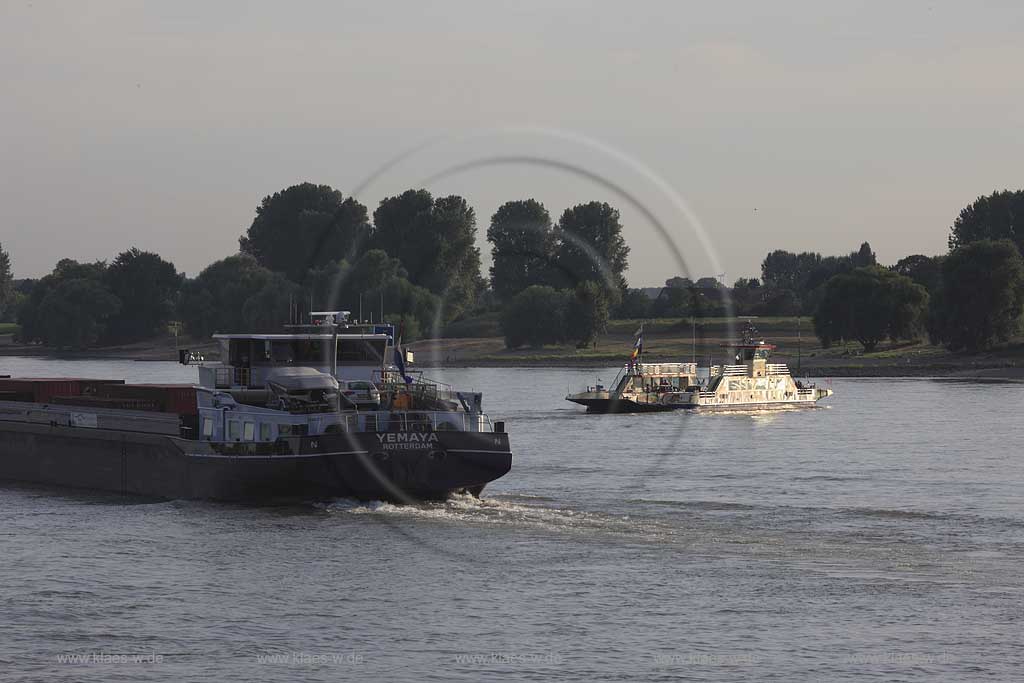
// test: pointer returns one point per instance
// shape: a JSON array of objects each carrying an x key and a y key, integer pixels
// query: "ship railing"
[
  {"x": 776, "y": 369},
  {"x": 427, "y": 421},
  {"x": 667, "y": 368},
  {"x": 734, "y": 370},
  {"x": 707, "y": 394},
  {"x": 94, "y": 417}
]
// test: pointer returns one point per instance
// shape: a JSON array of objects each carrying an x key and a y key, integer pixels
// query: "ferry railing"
[
  {"x": 776, "y": 369},
  {"x": 734, "y": 370}
]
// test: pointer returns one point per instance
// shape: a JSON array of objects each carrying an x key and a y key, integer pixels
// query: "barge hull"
[{"x": 363, "y": 465}]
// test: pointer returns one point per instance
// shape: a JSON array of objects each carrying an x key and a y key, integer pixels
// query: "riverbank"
[{"x": 664, "y": 340}]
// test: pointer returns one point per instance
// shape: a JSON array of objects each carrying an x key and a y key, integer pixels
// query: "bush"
[
  {"x": 870, "y": 304},
  {"x": 534, "y": 317},
  {"x": 981, "y": 296}
]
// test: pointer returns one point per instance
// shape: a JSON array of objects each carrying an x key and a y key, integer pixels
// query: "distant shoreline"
[
  {"x": 966, "y": 369},
  {"x": 664, "y": 340}
]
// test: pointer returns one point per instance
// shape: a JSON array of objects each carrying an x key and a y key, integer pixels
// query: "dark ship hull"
[
  {"x": 620, "y": 405},
  {"x": 395, "y": 466}
]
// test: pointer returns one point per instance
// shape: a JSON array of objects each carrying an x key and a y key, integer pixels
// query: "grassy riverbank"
[
  {"x": 679, "y": 340},
  {"x": 664, "y": 340}
]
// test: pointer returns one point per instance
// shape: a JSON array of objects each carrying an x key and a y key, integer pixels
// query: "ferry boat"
[
  {"x": 270, "y": 420},
  {"x": 638, "y": 388},
  {"x": 751, "y": 383}
]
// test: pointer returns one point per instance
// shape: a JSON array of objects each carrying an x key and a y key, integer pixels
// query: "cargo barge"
[{"x": 269, "y": 422}]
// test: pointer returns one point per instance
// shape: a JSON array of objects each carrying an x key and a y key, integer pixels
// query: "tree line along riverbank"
[{"x": 670, "y": 340}]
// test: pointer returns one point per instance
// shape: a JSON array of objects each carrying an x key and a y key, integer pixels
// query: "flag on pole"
[
  {"x": 638, "y": 346},
  {"x": 400, "y": 354}
]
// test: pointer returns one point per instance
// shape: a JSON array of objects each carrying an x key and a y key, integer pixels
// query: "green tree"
[
  {"x": 679, "y": 282},
  {"x": 31, "y": 318},
  {"x": 586, "y": 316},
  {"x": 375, "y": 276},
  {"x": 6, "y": 282},
  {"x": 635, "y": 305},
  {"x": 981, "y": 297},
  {"x": 305, "y": 226},
  {"x": 998, "y": 216},
  {"x": 863, "y": 257},
  {"x": 534, "y": 317},
  {"x": 591, "y": 247},
  {"x": 435, "y": 240},
  {"x": 924, "y": 270},
  {"x": 747, "y": 283},
  {"x": 746, "y": 295},
  {"x": 870, "y": 304},
  {"x": 522, "y": 247},
  {"x": 75, "y": 313},
  {"x": 672, "y": 302},
  {"x": 786, "y": 270},
  {"x": 216, "y": 299},
  {"x": 148, "y": 288},
  {"x": 267, "y": 307},
  {"x": 707, "y": 283}
]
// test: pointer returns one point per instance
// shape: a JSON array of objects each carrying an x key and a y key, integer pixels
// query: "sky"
[{"x": 720, "y": 130}]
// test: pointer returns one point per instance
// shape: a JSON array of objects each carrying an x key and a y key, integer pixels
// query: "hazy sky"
[{"x": 798, "y": 125}]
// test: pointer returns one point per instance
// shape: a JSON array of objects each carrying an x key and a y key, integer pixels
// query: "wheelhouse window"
[
  {"x": 250, "y": 431},
  {"x": 266, "y": 431},
  {"x": 361, "y": 351}
]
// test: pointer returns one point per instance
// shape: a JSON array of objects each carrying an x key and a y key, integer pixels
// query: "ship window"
[
  {"x": 207, "y": 427},
  {"x": 282, "y": 352},
  {"x": 234, "y": 430},
  {"x": 250, "y": 431},
  {"x": 361, "y": 351},
  {"x": 310, "y": 351},
  {"x": 266, "y": 431}
]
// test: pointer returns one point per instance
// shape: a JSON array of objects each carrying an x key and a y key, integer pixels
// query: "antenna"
[
  {"x": 799, "y": 339},
  {"x": 693, "y": 348},
  {"x": 360, "y": 307}
]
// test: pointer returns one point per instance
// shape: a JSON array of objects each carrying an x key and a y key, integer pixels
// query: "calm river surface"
[{"x": 880, "y": 536}]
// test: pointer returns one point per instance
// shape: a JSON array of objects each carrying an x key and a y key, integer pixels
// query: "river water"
[{"x": 878, "y": 536}]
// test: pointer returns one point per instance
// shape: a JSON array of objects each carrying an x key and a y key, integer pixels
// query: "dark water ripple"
[{"x": 879, "y": 538}]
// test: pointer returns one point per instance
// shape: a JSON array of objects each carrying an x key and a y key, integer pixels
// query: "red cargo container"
[
  {"x": 41, "y": 389},
  {"x": 169, "y": 398},
  {"x": 100, "y": 402}
]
